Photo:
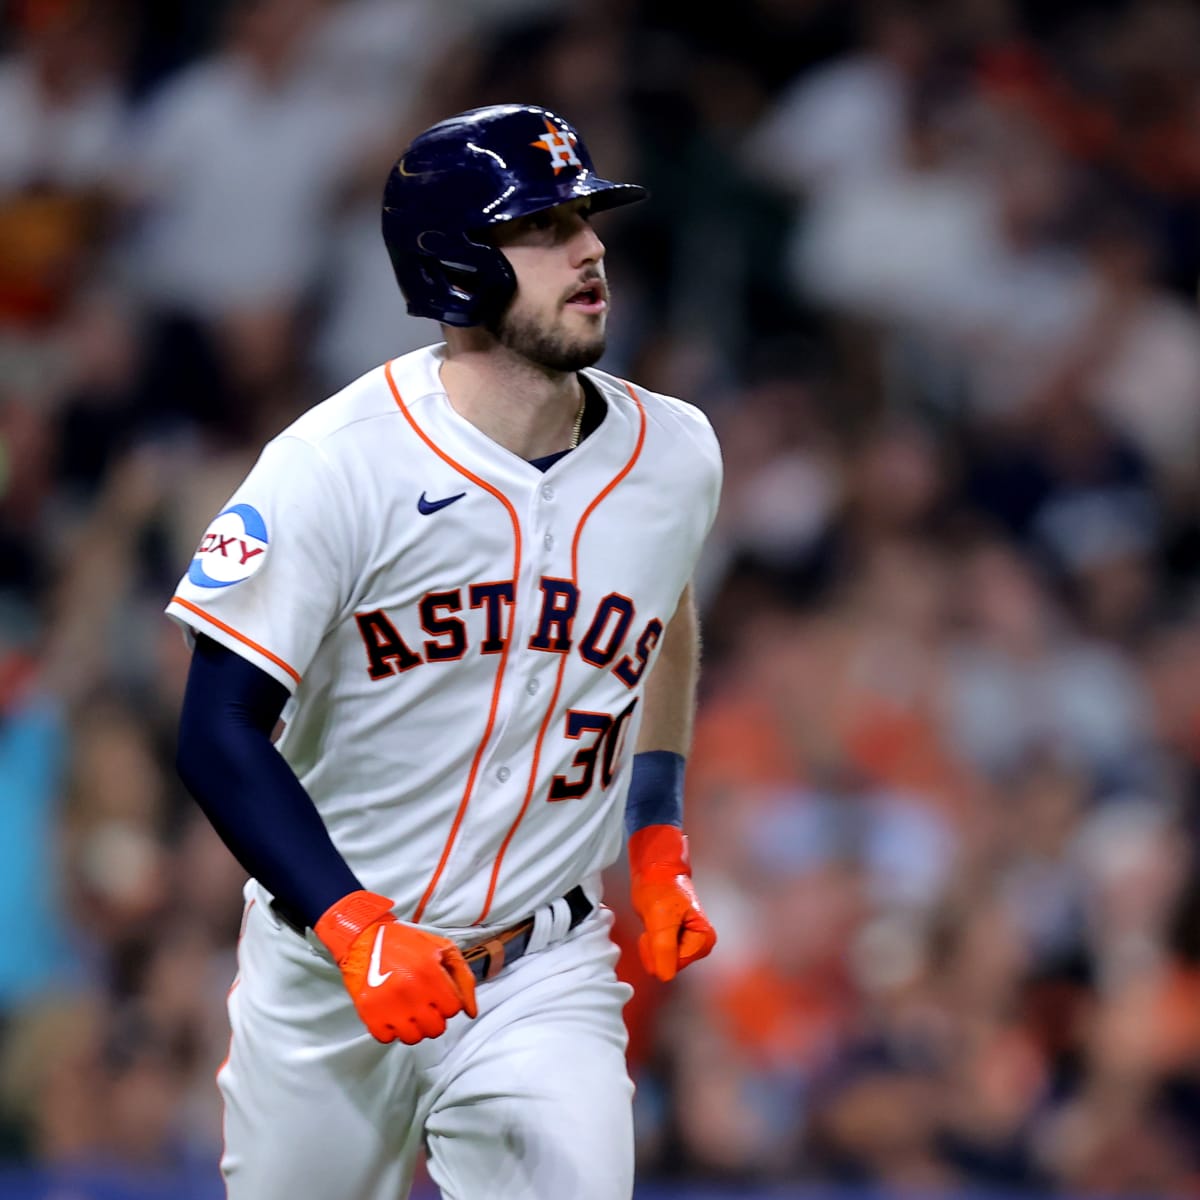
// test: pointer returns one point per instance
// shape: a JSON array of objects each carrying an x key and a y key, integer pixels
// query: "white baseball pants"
[{"x": 531, "y": 1099}]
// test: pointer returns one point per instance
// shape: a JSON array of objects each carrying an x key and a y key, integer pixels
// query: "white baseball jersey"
[{"x": 465, "y": 638}]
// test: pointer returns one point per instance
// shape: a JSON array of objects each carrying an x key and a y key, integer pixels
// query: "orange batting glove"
[
  {"x": 405, "y": 983},
  {"x": 677, "y": 931}
]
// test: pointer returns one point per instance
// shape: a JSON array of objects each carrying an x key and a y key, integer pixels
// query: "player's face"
[{"x": 558, "y": 315}]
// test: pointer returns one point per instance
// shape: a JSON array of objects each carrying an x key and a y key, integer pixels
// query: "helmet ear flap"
[
  {"x": 460, "y": 280},
  {"x": 470, "y": 282}
]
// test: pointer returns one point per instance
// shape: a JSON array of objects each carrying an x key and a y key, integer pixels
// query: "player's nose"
[{"x": 586, "y": 246}]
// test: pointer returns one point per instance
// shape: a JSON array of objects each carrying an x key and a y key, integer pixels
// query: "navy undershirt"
[
  {"x": 247, "y": 790},
  {"x": 547, "y": 461},
  {"x": 251, "y": 796}
]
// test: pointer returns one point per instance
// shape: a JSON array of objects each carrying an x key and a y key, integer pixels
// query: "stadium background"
[{"x": 930, "y": 268}]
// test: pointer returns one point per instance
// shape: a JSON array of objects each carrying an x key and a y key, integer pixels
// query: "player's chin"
[
  {"x": 578, "y": 348},
  {"x": 584, "y": 323},
  {"x": 587, "y": 352}
]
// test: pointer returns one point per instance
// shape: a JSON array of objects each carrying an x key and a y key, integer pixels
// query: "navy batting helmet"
[{"x": 468, "y": 172}]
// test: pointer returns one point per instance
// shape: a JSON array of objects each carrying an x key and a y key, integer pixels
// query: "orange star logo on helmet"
[{"x": 560, "y": 146}]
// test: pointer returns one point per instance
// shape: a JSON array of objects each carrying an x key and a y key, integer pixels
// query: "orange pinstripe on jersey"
[
  {"x": 512, "y": 612},
  {"x": 233, "y": 633},
  {"x": 537, "y": 747}
]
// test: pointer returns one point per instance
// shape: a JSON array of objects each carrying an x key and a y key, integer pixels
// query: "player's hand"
[
  {"x": 405, "y": 983},
  {"x": 676, "y": 930}
]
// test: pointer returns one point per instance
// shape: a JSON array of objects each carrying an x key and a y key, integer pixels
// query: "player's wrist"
[
  {"x": 343, "y": 922},
  {"x": 655, "y": 790}
]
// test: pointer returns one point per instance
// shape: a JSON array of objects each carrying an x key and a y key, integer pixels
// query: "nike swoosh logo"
[
  {"x": 374, "y": 978},
  {"x": 425, "y": 507}
]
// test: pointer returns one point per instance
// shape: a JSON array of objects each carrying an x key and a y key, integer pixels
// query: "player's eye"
[{"x": 549, "y": 224}]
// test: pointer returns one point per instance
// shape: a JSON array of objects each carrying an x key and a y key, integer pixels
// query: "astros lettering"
[{"x": 388, "y": 653}]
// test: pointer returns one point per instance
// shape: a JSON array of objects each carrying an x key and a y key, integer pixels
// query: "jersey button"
[
  {"x": 532, "y": 686},
  {"x": 502, "y": 774},
  {"x": 548, "y": 541},
  {"x": 547, "y": 492}
]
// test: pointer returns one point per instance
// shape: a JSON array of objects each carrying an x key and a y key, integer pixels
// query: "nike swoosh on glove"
[
  {"x": 676, "y": 930},
  {"x": 405, "y": 983}
]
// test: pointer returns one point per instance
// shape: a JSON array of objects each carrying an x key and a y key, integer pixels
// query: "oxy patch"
[{"x": 232, "y": 548}]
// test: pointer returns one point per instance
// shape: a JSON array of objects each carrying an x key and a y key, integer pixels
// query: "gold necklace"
[{"x": 578, "y": 427}]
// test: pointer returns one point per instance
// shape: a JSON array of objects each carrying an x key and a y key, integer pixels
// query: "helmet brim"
[
  {"x": 607, "y": 195},
  {"x": 603, "y": 193}
]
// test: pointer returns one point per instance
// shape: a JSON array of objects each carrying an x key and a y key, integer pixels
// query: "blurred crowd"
[{"x": 930, "y": 268}]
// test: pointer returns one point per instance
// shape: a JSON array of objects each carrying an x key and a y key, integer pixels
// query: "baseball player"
[{"x": 460, "y": 589}]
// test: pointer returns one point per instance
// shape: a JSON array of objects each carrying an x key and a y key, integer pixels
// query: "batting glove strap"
[
  {"x": 659, "y": 851},
  {"x": 342, "y": 923}
]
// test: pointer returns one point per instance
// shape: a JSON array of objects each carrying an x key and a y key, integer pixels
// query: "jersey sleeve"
[
  {"x": 271, "y": 574},
  {"x": 715, "y": 473},
  {"x": 705, "y": 470}
]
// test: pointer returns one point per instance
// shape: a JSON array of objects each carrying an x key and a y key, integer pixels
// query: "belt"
[
  {"x": 485, "y": 959},
  {"x": 488, "y": 959}
]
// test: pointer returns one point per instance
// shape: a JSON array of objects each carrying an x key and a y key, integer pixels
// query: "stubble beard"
[{"x": 550, "y": 349}]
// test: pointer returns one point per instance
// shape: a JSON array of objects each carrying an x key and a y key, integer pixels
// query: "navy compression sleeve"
[
  {"x": 251, "y": 796},
  {"x": 655, "y": 790}
]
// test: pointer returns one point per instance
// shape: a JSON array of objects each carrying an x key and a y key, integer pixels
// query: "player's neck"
[{"x": 526, "y": 410}]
